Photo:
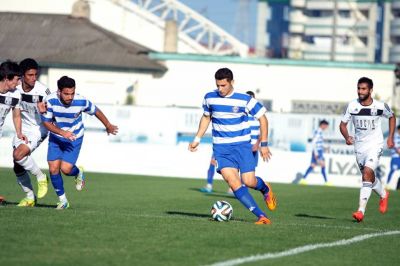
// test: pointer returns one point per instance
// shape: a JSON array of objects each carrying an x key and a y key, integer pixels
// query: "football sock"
[
  {"x": 74, "y": 171},
  {"x": 58, "y": 184},
  {"x": 243, "y": 195},
  {"x": 390, "y": 175},
  {"x": 309, "y": 170},
  {"x": 63, "y": 198},
  {"x": 324, "y": 174},
  {"x": 378, "y": 188},
  {"x": 25, "y": 182},
  {"x": 365, "y": 193},
  {"x": 261, "y": 186},
  {"x": 210, "y": 174},
  {"x": 30, "y": 165}
]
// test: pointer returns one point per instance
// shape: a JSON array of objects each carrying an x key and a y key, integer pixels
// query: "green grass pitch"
[{"x": 138, "y": 220}]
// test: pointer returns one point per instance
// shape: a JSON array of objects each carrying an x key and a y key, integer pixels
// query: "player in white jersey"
[
  {"x": 227, "y": 110},
  {"x": 63, "y": 118},
  {"x": 9, "y": 96},
  {"x": 32, "y": 92},
  {"x": 365, "y": 113}
]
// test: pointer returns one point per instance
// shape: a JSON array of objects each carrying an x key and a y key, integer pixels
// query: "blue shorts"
[
  {"x": 320, "y": 157},
  {"x": 239, "y": 156},
  {"x": 395, "y": 163},
  {"x": 63, "y": 149},
  {"x": 255, "y": 154}
]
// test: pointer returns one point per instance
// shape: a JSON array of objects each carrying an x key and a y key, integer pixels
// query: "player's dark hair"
[
  {"x": 366, "y": 80},
  {"x": 323, "y": 122},
  {"x": 9, "y": 69},
  {"x": 28, "y": 64},
  {"x": 251, "y": 94},
  {"x": 65, "y": 82},
  {"x": 224, "y": 73}
]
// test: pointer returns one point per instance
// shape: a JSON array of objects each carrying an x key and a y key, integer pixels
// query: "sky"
[{"x": 227, "y": 15}]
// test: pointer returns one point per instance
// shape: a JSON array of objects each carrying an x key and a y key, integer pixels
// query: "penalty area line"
[{"x": 302, "y": 249}]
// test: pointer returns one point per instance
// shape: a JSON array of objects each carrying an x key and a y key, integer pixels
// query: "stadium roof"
[{"x": 66, "y": 42}]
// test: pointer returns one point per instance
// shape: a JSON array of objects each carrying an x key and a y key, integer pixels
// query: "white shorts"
[
  {"x": 369, "y": 158},
  {"x": 35, "y": 138}
]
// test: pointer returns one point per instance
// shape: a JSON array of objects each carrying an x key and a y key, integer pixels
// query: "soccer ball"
[{"x": 221, "y": 211}]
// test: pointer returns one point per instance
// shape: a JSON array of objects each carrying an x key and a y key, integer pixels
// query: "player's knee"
[
  {"x": 66, "y": 169},
  {"x": 18, "y": 169}
]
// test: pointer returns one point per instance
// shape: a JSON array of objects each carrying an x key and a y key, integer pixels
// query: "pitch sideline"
[{"x": 302, "y": 249}]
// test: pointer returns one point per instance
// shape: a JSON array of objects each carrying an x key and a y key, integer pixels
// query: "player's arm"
[
  {"x": 203, "y": 125},
  {"x": 392, "y": 126},
  {"x": 56, "y": 130},
  {"x": 264, "y": 150},
  {"x": 110, "y": 128},
  {"x": 345, "y": 133},
  {"x": 18, "y": 124}
]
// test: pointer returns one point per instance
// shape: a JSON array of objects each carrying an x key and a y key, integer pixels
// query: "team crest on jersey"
[
  {"x": 374, "y": 111},
  {"x": 235, "y": 109},
  {"x": 8, "y": 100}
]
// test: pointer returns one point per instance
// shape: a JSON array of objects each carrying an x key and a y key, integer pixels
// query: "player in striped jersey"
[
  {"x": 317, "y": 154},
  {"x": 365, "y": 114},
  {"x": 63, "y": 119},
  {"x": 395, "y": 161},
  {"x": 32, "y": 92},
  {"x": 227, "y": 111}
]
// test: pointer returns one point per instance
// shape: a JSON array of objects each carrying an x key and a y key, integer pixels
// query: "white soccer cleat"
[{"x": 80, "y": 180}]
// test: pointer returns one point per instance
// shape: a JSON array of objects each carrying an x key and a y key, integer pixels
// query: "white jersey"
[
  {"x": 367, "y": 123},
  {"x": 8, "y": 100},
  {"x": 30, "y": 115}
]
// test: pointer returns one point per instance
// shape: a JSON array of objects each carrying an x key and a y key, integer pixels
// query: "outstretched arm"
[
  {"x": 110, "y": 128},
  {"x": 53, "y": 128},
  {"x": 203, "y": 125}
]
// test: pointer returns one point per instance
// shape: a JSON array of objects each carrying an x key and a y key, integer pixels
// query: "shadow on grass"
[
  {"x": 218, "y": 194},
  {"x": 303, "y": 215},
  {"x": 199, "y": 215},
  {"x": 5, "y": 203}
]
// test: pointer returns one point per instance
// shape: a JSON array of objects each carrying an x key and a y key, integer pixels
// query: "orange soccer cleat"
[
  {"x": 383, "y": 203},
  {"x": 359, "y": 216},
  {"x": 263, "y": 220},
  {"x": 270, "y": 198}
]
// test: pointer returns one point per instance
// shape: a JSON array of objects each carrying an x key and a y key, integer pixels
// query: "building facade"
[{"x": 337, "y": 30}]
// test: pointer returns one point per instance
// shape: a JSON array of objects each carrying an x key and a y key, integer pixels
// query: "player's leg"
[
  {"x": 22, "y": 156},
  {"x": 24, "y": 181},
  {"x": 377, "y": 187},
  {"x": 210, "y": 177},
  {"x": 68, "y": 165},
  {"x": 394, "y": 166},
  {"x": 321, "y": 163},
  {"x": 310, "y": 168}
]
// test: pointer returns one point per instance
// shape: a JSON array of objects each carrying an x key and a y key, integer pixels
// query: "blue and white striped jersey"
[
  {"x": 68, "y": 117},
  {"x": 318, "y": 141},
  {"x": 229, "y": 116},
  {"x": 254, "y": 128},
  {"x": 396, "y": 145}
]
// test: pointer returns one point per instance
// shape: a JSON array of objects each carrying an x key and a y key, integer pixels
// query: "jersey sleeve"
[
  {"x": 346, "y": 115},
  {"x": 206, "y": 107},
  {"x": 90, "y": 108},
  {"x": 48, "y": 116},
  {"x": 255, "y": 108},
  {"x": 387, "y": 112}
]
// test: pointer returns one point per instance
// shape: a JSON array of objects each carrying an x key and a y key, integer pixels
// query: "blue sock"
[
  {"x": 309, "y": 170},
  {"x": 74, "y": 171},
  {"x": 243, "y": 195},
  {"x": 210, "y": 174},
  {"x": 58, "y": 184},
  {"x": 261, "y": 186},
  {"x": 390, "y": 176},
  {"x": 324, "y": 174}
]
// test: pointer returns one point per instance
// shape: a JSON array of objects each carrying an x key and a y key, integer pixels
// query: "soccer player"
[
  {"x": 32, "y": 92},
  {"x": 210, "y": 176},
  {"x": 365, "y": 114},
  {"x": 63, "y": 119},
  {"x": 317, "y": 154},
  {"x": 10, "y": 97},
  {"x": 227, "y": 110},
  {"x": 395, "y": 161}
]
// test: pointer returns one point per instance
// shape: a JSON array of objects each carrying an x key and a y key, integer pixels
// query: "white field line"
[{"x": 302, "y": 249}]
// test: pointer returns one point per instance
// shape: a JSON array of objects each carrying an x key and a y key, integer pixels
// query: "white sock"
[
  {"x": 378, "y": 188},
  {"x": 209, "y": 186},
  {"x": 30, "y": 165},
  {"x": 63, "y": 198},
  {"x": 365, "y": 193},
  {"x": 24, "y": 181}
]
